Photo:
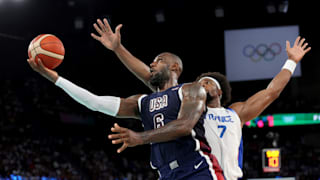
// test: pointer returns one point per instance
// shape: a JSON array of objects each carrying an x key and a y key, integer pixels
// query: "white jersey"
[{"x": 224, "y": 134}]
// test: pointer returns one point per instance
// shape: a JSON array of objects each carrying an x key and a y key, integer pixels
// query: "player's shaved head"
[{"x": 172, "y": 59}]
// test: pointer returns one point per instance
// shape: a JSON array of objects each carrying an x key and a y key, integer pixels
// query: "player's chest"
[{"x": 160, "y": 110}]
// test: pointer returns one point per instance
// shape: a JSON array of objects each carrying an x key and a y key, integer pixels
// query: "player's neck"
[
  {"x": 168, "y": 84},
  {"x": 173, "y": 81},
  {"x": 214, "y": 103}
]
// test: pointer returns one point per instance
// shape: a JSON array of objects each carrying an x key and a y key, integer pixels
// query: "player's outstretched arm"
[
  {"x": 110, "y": 105},
  {"x": 112, "y": 40},
  {"x": 257, "y": 103},
  {"x": 192, "y": 106}
]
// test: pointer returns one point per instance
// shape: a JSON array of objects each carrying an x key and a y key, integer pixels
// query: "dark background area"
[
  {"x": 31, "y": 106},
  {"x": 190, "y": 29}
]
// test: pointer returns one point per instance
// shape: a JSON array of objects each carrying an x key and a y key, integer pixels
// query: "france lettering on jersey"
[
  {"x": 160, "y": 108},
  {"x": 224, "y": 134}
]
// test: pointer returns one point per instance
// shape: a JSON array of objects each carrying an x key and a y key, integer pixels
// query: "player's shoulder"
[
  {"x": 236, "y": 107},
  {"x": 193, "y": 88}
]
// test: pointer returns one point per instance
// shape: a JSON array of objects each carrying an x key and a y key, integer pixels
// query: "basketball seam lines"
[
  {"x": 44, "y": 49},
  {"x": 50, "y": 54}
]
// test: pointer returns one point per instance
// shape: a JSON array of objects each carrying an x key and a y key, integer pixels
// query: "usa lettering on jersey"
[{"x": 158, "y": 103}]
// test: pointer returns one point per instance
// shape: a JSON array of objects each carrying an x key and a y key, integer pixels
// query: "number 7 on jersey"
[{"x": 224, "y": 128}]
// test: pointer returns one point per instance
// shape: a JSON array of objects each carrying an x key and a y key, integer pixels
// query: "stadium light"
[
  {"x": 160, "y": 17},
  {"x": 17, "y": 1},
  {"x": 78, "y": 23},
  {"x": 283, "y": 6},
  {"x": 219, "y": 12},
  {"x": 271, "y": 8}
]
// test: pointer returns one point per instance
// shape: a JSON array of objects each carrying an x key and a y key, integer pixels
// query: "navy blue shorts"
[{"x": 191, "y": 168}]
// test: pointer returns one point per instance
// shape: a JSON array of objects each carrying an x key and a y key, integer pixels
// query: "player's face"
[
  {"x": 157, "y": 64},
  {"x": 160, "y": 72},
  {"x": 210, "y": 87}
]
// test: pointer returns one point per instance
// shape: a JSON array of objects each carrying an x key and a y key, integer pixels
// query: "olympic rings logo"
[{"x": 262, "y": 51}]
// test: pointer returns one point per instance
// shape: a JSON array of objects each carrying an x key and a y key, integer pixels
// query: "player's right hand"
[
  {"x": 41, "y": 69},
  {"x": 106, "y": 36}
]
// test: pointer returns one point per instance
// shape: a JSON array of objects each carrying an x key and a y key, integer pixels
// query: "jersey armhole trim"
[
  {"x": 232, "y": 110},
  {"x": 139, "y": 101},
  {"x": 180, "y": 93},
  {"x": 235, "y": 113}
]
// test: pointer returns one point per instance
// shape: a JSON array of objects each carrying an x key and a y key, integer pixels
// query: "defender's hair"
[{"x": 224, "y": 83}]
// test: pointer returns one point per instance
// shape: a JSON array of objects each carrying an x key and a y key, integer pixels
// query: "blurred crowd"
[
  {"x": 34, "y": 144},
  {"x": 66, "y": 158}
]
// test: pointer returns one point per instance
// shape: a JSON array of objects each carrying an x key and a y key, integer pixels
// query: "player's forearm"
[
  {"x": 106, "y": 104},
  {"x": 182, "y": 126},
  {"x": 135, "y": 65},
  {"x": 51, "y": 76},
  {"x": 257, "y": 103},
  {"x": 280, "y": 81},
  {"x": 170, "y": 131}
]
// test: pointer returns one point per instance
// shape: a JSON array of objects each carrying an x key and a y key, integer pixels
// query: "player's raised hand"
[
  {"x": 126, "y": 136},
  {"x": 298, "y": 50},
  {"x": 106, "y": 36},
  {"x": 38, "y": 66}
]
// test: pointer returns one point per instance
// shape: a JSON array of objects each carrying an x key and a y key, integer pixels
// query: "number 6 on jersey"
[{"x": 158, "y": 120}]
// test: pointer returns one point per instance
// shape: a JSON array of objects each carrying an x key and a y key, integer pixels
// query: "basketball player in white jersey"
[{"x": 223, "y": 126}]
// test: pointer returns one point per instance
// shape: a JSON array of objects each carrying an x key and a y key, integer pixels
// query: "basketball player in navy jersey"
[
  {"x": 172, "y": 117},
  {"x": 222, "y": 125}
]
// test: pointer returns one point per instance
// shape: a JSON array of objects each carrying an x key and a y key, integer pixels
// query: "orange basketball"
[{"x": 48, "y": 48}]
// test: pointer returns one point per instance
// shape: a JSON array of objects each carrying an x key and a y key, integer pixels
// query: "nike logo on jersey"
[
  {"x": 198, "y": 165},
  {"x": 219, "y": 118},
  {"x": 176, "y": 88}
]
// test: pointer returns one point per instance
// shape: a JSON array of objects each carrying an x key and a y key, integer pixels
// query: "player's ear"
[
  {"x": 175, "y": 67},
  {"x": 220, "y": 92}
]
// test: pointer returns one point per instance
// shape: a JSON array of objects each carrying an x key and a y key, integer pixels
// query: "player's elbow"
[{"x": 273, "y": 94}]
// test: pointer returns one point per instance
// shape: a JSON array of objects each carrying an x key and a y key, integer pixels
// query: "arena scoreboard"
[{"x": 271, "y": 160}]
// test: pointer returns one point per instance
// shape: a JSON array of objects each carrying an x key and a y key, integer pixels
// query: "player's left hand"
[
  {"x": 126, "y": 136},
  {"x": 298, "y": 50},
  {"x": 107, "y": 37}
]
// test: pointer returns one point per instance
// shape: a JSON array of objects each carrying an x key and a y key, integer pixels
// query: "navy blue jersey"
[{"x": 158, "y": 109}]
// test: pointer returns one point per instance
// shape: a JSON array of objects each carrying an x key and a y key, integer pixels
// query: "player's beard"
[{"x": 159, "y": 79}]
